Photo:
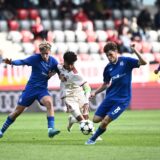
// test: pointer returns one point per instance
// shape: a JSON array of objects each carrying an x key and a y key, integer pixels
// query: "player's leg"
[
  {"x": 102, "y": 128},
  {"x": 72, "y": 119},
  {"x": 11, "y": 118},
  {"x": 48, "y": 103},
  {"x": 99, "y": 117},
  {"x": 76, "y": 115},
  {"x": 115, "y": 111},
  {"x": 85, "y": 111},
  {"x": 25, "y": 100}
]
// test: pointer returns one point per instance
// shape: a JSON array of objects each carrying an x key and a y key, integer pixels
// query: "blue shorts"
[
  {"x": 111, "y": 108},
  {"x": 29, "y": 96}
]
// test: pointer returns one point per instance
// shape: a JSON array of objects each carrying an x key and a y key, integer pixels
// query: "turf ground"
[{"x": 134, "y": 136}]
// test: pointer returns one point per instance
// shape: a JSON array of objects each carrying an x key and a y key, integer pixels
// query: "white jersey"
[{"x": 73, "y": 83}]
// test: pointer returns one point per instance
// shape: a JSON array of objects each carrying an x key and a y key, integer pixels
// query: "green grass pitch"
[{"x": 134, "y": 136}]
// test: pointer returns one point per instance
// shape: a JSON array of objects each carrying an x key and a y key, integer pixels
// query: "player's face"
[
  {"x": 45, "y": 55},
  {"x": 68, "y": 66},
  {"x": 112, "y": 56}
]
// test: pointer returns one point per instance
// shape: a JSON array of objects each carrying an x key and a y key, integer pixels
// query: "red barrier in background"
[{"x": 145, "y": 96}]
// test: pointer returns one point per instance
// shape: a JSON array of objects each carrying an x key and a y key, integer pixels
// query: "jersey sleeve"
[
  {"x": 30, "y": 61},
  {"x": 132, "y": 62}
]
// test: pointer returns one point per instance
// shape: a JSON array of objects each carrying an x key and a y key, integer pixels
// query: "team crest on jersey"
[{"x": 121, "y": 63}]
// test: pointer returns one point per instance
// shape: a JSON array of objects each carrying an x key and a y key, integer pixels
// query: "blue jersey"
[
  {"x": 120, "y": 76},
  {"x": 40, "y": 70}
]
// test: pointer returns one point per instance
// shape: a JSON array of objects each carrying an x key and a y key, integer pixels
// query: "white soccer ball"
[{"x": 86, "y": 127}]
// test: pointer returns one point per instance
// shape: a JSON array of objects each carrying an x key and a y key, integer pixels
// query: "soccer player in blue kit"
[
  {"x": 43, "y": 67},
  {"x": 117, "y": 77}
]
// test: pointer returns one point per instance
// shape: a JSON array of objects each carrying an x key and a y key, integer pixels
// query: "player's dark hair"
[
  {"x": 70, "y": 57},
  {"x": 110, "y": 46}
]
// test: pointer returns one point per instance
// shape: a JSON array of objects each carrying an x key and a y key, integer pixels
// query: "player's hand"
[
  {"x": 7, "y": 61},
  {"x": 93, "y": 95},
  {"x": 50, "y": 74},
  {"x": 156, "y": 71}
]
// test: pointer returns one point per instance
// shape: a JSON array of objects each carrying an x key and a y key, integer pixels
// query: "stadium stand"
[{"x": 85, "y": 37}]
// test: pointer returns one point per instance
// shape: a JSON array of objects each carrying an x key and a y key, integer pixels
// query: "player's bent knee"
[{"x": 97, "y": 119}]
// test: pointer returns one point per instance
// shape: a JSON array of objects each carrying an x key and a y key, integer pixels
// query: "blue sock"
[
  {"x": 50, "y": 122},
  {"x": 7, "y": 123},
  {"x": 98, "y": 132}
]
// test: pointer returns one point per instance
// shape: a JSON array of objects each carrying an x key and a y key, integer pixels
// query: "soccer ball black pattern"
[{"x": 86, "y": 127}]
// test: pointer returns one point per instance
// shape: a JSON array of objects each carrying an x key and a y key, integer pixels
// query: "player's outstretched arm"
[
  {"x": 141, "y": 60},
  {"x": 14, "y": 62}
]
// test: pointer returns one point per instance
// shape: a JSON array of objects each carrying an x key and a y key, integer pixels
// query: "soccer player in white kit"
[{"x": 75, "y": 90}]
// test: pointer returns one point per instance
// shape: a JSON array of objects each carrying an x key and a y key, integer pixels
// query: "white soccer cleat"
[
  {"x": 70, "y": 123},
  {"x": 99, "y": 139},
  {"x": 90, "y": 142}
]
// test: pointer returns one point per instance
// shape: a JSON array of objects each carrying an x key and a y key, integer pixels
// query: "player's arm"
[
  {"x": 141, "y": 60},
  {"x": 103, "y": 87},
  {"x": 157, "y": 70},
  {"x": 57, "y": 70},
  {"x": 15, "y": 62},
  {"x": 53, "y": 72},
  {"x": 28, "y": 61}
]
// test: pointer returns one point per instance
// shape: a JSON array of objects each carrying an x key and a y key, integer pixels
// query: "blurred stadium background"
[{"x": 83, "y": 26}]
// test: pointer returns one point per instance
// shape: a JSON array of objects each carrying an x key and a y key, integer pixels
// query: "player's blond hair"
[{"x": 44, "y": 45}]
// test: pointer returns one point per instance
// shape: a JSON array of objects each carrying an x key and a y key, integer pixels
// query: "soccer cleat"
[
  {"x": 90, "y": 142},
  {"x": 52, "y": 133},
  {"x": 99, "y": 139},
  {"x": 70, "y": 123},
  {"x": 1, "y": 134}
]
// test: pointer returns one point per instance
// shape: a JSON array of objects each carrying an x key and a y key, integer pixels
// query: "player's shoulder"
[
  {"x": 35, "y": 56},
  {"x": 107, "y": 66},
  {"x": 53, "y": 60}
]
